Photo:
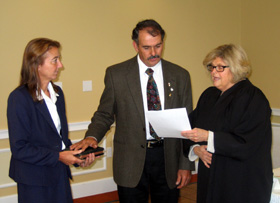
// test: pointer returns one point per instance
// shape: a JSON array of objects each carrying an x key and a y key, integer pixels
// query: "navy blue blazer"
[{"x": 34, "y": 140}]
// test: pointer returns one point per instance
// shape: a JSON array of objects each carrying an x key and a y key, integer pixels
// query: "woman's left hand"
[
  {"x": 203, "y": 154},
  {"x": 196, "y": 134},
  {"x": 88, "y": 161}
]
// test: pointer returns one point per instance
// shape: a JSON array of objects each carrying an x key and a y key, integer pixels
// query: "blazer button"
[{"x": 143, "y": 146}]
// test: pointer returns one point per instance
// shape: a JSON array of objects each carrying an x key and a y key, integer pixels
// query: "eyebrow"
[
  {"x": 217, "y": 64},
  {"x": 152, "y": 46},
  {"x": 56, "y": 57}
]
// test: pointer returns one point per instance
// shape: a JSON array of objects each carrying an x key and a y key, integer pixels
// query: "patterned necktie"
[{"x": 152, "y": 98}]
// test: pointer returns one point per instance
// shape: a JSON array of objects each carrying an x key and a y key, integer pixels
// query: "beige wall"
[
  {"x": 95, "y": 34},
  {"x": 260, "y": 33}
]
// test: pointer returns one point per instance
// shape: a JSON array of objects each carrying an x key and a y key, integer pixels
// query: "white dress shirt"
[{"x": 158, "y": 76}]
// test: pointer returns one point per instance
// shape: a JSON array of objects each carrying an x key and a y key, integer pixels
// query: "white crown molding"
[
  {"x": 275, "y": 112},
  {"x": 4, "y": 134},
  {"x": 78, "y": 126},
  {"x": 74, "y": 173}
]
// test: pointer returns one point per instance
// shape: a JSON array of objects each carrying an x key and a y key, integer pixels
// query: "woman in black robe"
[{"x": 231, "y": 133}]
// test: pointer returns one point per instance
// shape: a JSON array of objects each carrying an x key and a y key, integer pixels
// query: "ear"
[{"x": 135, "y": 45}]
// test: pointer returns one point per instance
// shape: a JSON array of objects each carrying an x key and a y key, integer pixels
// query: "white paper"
[{"x": 170, "y": 122}]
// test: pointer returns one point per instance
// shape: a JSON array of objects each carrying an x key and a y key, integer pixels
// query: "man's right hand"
[{"x": 85, "y": 143}]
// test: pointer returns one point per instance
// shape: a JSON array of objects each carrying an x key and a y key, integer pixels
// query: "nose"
[
  {"x": 59, "y": 64},
  {"x": 153, "y": 52}
]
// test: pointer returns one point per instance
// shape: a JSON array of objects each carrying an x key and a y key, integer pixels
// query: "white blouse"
[{"x": 50, "y": 101}]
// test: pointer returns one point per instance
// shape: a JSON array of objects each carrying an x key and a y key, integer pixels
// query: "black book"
[{"x": 97, "y": 151}]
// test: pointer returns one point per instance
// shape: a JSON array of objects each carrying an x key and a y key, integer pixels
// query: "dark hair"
[
  {"x": 34, "y": 55},
  {"x": 149, "y": 23}
]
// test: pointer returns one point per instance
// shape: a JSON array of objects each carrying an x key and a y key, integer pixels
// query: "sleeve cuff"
[
  {"x": 93, "y": 138},
  {"x": 192, "y": 156},
  {"x": 210, "y": 145}
]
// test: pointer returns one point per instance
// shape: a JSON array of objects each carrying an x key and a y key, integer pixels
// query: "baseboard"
[
  {"x": 95, "y": 187},
  {"x": 79, "y": 190},
  {"x": 86, "y": 189},
  {"x": 193, "y": 178},
  {"x": 9, "y": 199},
  {"x": 101, "y": 186}
]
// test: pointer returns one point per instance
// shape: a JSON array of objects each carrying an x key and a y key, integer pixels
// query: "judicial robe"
[{"x": 241, "y": 168}]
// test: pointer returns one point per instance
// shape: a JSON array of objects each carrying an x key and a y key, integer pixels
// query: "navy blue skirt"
[{"x": 60, "y": 192}]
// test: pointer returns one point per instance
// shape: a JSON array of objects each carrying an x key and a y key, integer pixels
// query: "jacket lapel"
[
  {"x": 42, "y": 107},
  {"x": 134, "y": 86},
  {"x": 169, "y": 85}
]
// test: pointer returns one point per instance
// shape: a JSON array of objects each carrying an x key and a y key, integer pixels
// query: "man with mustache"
[{"x": 143, "y": 163}]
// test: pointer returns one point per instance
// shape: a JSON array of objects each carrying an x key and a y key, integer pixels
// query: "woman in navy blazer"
[{"x": 38, "y": 129}]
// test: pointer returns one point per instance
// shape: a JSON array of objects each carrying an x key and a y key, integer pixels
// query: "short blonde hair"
[{"x": 235, "y": 57}]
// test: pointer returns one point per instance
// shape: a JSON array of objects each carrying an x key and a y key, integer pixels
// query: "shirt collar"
[
  {"x": 53, "y": 94},
  {"x": 143, "y": 67}
]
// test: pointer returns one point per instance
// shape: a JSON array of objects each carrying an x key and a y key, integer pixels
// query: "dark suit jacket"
[
  {"x": 122, "y": 102},
  {"x": 34, "y": 140}
]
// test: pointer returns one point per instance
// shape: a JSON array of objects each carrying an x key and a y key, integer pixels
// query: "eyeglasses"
[{"x": 218, "y": 68}]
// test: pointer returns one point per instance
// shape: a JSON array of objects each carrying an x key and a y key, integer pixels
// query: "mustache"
[{"x": 152, "y": 57}]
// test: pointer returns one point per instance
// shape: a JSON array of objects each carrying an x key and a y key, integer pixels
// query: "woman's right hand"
[
  {"x": 196, "y": 134},
  {"x": 67, "y": 157},
  {"x": 203, "y": 154}
]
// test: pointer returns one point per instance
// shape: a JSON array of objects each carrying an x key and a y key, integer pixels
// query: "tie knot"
[{"x": 149, "y": 71}]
